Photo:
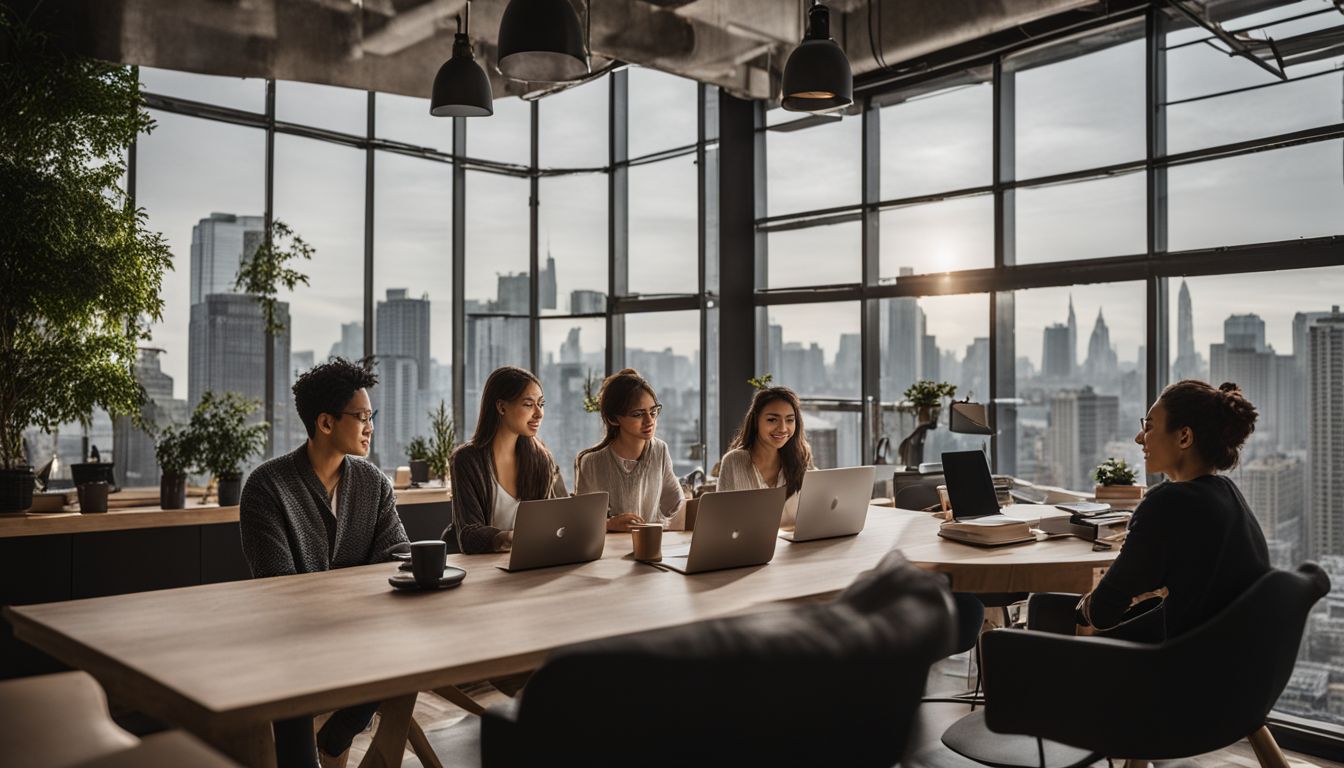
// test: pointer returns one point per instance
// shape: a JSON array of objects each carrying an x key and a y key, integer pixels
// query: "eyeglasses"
[
  {"x": 651, "y": 413},
  {"x": 1145, "y": 423},
  {"x": 365, "y": 417}
]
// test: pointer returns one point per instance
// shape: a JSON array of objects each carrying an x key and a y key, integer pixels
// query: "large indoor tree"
[{"x": 80, "y": 273}]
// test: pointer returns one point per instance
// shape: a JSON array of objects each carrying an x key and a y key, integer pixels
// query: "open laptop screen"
[{"x": 970, "y": 489}]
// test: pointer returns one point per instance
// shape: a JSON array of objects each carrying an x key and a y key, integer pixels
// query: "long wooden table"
[{"x": 223, "y": 660}]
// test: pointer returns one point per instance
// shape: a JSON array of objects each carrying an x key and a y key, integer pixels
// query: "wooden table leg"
[
  {"x": 456, "y": 696},
  {"x": 421, "y": 747},
  {"x": 1267, "y": 749},
  {"x": 253, "y": 746},
  {"x": 389, "y": 743}
]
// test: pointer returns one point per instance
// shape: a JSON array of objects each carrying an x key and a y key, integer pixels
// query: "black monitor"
[{"x": 970, "y": 488}]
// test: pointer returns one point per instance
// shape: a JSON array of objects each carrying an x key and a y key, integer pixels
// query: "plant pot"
[
  {"x": 93, "y": 496},
  {"x": 230, "y": 489},
  {"x": 927, "y": 414},
  {"x": 172, "y": 491},
  {"x": 16, "y": 489},
  {"x": 419, "y": 471},
  {"x": 1119, "y": 495},
  {"x": 92, "y": 472}
]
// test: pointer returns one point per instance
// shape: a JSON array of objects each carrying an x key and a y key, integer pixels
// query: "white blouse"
[
  {"x": 506, "y": 509},
  {"x": 737, "y": 472}
]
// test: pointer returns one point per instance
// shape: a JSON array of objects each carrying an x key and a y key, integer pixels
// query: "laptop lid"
[
  {"x": 733, "y": 529},
  {"x": 833, "y": 502},
  {"x": 559, "y": 531},
  {"x": 970, "y": 489}
]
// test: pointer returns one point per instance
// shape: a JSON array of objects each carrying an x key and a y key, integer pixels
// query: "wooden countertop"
[{"x": 73, "y": 521}]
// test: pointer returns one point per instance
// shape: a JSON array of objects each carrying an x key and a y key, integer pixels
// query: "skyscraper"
[
  {"x": 1274, "y": 487},
  {"x": 1243, "y": 358},
  {"x": 218, "y": 244},
  {"x": 351, "y": 345},
  {"x": 1073, "y": 339},
  {"x": 546, "y": 283},
  {"x": 1325, "y": 430},
  {"x": 904, "y": 333},
  {"x": 1081, "y": 423},
  {"x": 587, "y": 302},
  {"x": 401, "y": 345},
  {"x": 1056, "y": 359},
  {"x": 511, "y": 296},
  {"x": 1102, "y": 363},
  {"x": 132, "y": 447},
  {"x": 1188, "y": 364}
]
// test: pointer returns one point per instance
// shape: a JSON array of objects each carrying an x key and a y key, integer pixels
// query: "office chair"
[
  {"x": 793, "y": 686},
  {"x": 1230, "y": 671}
]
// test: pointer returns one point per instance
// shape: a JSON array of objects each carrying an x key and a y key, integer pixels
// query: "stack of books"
[{"x": 988, "y": 531}]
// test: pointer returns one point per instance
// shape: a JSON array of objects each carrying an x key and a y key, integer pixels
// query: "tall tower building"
[
  {"x": 402, "y": 327},
  {"x": 1243, "y": 358},
  {"x": 587, "y": 302},
  {"x": 1073, "y": 339},
  {"x": 132, "y": 447},
  {"x": 1102, "y": 364},
  {"x": 904, "y": 334},
  {"x": 1056, "y": 362},
  {"x": 401, "y": 345},
  {"x": 1081, "y": 423},
  {"x": 1325, "y": 431},
  {"x": 1274, "y": 487},
  {"x": 546, "y": 283},
  {"x": 351, "y": 345},
  {"x": 1188, "y": 364},
  {"x": 512, "y": 294},
  {"x": 218, "y": 244}
]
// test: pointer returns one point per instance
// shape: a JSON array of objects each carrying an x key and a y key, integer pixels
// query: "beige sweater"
[
  {"x": 650, "y": 490},
  {"x": 738, "y": 473}
]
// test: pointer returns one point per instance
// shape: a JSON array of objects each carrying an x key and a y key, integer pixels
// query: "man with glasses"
[{"x": 319, "y": 507}]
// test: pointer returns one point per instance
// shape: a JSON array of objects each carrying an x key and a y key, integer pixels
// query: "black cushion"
[{"x": 790, "y": 686}]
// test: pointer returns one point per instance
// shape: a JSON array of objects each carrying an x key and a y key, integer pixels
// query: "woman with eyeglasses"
[
  {"x": 504, "y": 463},
  {"x": 1193, "y": 536},
  {"x": 630, "y": 464},
  {"x": 769, "y": 449}
]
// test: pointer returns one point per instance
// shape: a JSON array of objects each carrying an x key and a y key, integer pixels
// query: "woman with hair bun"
[{"x": 1194, "y": 534}]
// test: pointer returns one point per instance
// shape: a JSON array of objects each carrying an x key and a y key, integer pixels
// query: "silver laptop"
[
  {"x": 832, "y": 502},
  {"x": 558, "y": 531},
  {"x": 733, "y": 529}
]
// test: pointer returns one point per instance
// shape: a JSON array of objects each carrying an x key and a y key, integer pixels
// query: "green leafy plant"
[
  {"x": 177, "y": 450},
  {"x": 762, "y": 381},
  {"x": 267, "y": 269},
  {"x": 226, "y": 440},
  {"x": 1114, "y": 471},
  {"x": 442, "y": 441},
  {"x": 418, "y": 449},
  {"x": 926, "y": 393},
  {"x": 79, "y": 272},
  {"x": 591, "y": 385}
]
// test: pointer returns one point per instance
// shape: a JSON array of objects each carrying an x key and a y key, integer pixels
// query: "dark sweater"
[
  {"x": 473, "y": 474},
  {"x": 1196, "y": 538},
  {"x": 286, "y": 521}
]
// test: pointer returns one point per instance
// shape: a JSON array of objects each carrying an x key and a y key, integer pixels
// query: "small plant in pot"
[
  {"x": 442, "y": 441},
  {"x": 177, "y": 451},
  {"x": 417, "y": 451},
  {"x": 1115, "y": 482},
  {"x": 227, "y": 440}
]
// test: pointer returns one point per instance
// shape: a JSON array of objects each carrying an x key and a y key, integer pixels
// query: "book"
[{"x": 988, "y": 531}]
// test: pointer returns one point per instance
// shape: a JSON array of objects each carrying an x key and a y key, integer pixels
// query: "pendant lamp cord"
[{"x": 587, "y": 32}]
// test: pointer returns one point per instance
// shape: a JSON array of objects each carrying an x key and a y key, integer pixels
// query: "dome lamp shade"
[
  {"x": 817, "y": 77},
  {"x": 541, "y": 41}
]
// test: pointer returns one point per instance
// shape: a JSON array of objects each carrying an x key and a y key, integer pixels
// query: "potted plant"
[
  {"x": 1115, "y": 482},
  {"x": 226, "y": 440},
  {"x": 442, "y": 441},
  {"x": 177, "y": 451},
  {"x": 592, "y": 385},
  {"x": 79, "y": 272},
  {"x": 762, "y": 381},
  {"x": 418, "y": 452},
  {"x": 925, "y": 398}
]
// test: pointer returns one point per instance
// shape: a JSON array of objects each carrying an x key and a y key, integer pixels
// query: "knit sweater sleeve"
[
  {"x": 472, "y": 514},
  {"x": 734, "y": 473},
  {"x": 670, "y": 498},
  {"x": 261, "y": 518},
  {"x": 389, "y": 535}
]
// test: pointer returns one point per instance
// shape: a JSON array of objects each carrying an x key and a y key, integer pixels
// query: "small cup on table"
[
  {"x": 648, "y": 539},
  {"x": 428, "y": 559}
]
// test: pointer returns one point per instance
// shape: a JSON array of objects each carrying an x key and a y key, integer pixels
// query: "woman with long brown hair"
[
  {"x": 503, "y": 464},
  {"x": 630, "y": 463},
  {"x": 1194, "y": 535},
  {"x": 769, "y": 449}
]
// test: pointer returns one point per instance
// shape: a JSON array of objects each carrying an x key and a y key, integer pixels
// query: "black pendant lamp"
[
  {"x": 541, "y": 41},
  {"x": 461, "y": 88},
  {"x": 817, "y": 77}
]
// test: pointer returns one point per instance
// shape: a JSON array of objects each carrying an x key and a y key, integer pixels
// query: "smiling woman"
[{"x": 770, "y": 449}]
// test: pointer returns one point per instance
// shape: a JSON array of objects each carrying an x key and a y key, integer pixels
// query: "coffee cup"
[
  {"x": 648, "y": 539},
  {"x": 93, "y": 496},
  {"x": 403, "y": 478},
  {"x": 427, "y": 561}
]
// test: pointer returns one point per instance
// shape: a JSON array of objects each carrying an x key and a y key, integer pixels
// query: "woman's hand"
[
  {"x": 503, "y": 541},
  {"x": 622, "y": 522}
]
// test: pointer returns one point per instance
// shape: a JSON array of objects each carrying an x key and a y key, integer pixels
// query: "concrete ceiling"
[{"x": 396, "y": 46}]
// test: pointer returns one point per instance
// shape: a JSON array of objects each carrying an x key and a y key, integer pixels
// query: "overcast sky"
[{"x": 1079, "y": 113}]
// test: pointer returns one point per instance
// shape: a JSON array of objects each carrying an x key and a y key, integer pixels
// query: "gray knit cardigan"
[{"x": 286, "y": 521}]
